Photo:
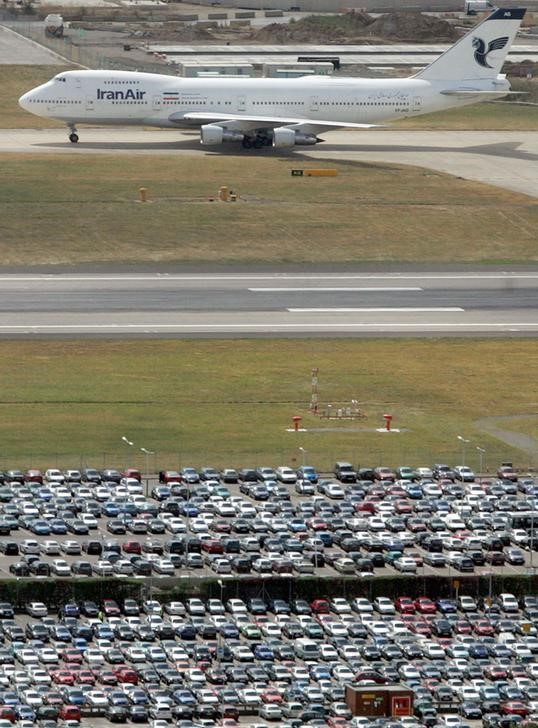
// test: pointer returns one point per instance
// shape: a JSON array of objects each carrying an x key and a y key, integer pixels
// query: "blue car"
[
  {"x": 40, "y": 528},
  {"x": 264, "y": 652},
  {"x": 110, "y": 509},
  {"x": 58, "y": 527}
]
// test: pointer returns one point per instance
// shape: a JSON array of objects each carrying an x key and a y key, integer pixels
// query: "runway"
[
  {"x": 231, "y": 304},
  {"x": 506, "y": 159}
]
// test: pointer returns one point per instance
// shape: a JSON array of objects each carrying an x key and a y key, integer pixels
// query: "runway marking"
[
  {"x": 268, "y": 327},
  {"x": 60, "y": 277},
  {"x": 446, "y": 309},
  {"x": 336, "y": 290}
]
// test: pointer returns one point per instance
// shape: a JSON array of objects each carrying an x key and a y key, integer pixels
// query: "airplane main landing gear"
[
  {"x": 73, "y": 137},
  {"x": 256, "y": 142}
]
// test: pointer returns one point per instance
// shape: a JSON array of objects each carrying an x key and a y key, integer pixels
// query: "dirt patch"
[{"x": 413, "y": 27}]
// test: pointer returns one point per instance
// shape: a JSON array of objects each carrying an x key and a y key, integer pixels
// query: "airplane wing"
[{"x": 247, "y": 122}]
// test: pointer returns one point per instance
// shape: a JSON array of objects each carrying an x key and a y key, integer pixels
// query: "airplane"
[{"x": 258, "y": 112}]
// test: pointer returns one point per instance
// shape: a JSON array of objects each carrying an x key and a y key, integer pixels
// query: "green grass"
[
  {"x": 479, "y": 117},
  {"x": 230, "y": 402},
  {"x": 14, "y": 82},
  {"x": 88, "y": 211}
]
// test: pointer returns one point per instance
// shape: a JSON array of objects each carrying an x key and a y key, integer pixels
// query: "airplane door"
[
  {"x": 89, "y": 103},
  {"x": 417, "y": 103},
  {"x": 156, "y": 103},
  {"x": 314, "y": 103},
  {"x": 241, "y": 103}
]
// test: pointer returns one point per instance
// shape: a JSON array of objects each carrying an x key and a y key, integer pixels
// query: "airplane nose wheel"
[{"x": 73, "y": 137}]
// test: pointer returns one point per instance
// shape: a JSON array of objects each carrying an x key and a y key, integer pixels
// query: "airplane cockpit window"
[{"x": 60, "y": 78}]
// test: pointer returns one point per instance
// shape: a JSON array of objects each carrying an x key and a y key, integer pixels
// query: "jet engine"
[
  {"x": 285, "y": 137},
  {"x": 214, "y": 134}
]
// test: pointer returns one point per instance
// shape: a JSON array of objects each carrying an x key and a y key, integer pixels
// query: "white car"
[
  {"x": 286, "y": 475},
  {"x": 71, "y": 547},
  {"x": 37, "y": 609},
  {"x": 270, "y": 711},
  {"x": 362, "y": 605},
  {"x": 51, "y": 548},
  {"x": 89, "y": 520},
  {"x": 334, "y": 491},
  {"x": 406, "y": 565},
  {"x": 53, "y": 475},
  {"x": 508, "y": 603},
  {"x": 340, "y": 605},
  {"x": 384, "y": 605},
  {"x": 464, "y": 473},
  {"x": 328, "y": 653},
  {"x": 48, "y": 655},
  {"x": 236, "y": 606},
  {"x": 96, "y": 699},
  {"x": 467, "y": 604},
  {"x": 60, "y": 567}
]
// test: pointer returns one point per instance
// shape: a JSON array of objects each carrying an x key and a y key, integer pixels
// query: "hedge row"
[{"x": 55, "y": 592}]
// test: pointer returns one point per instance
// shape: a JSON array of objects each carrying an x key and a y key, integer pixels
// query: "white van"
[{"x": 307, "y": 649}]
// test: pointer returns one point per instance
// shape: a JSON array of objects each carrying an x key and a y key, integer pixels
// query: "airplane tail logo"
[
  {"x": 480, "y": 52},
  {"x": 479, "y": 55}
]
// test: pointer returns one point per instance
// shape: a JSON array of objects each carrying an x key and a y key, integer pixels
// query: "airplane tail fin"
[{"x": 480, "y": 54}]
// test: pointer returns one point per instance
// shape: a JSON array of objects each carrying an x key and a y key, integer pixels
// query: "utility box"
[{"x": 375, "y": 701}]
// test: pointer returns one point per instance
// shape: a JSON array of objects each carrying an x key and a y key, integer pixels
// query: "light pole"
[
  {"x": 464, "y": 444},
  {"x": 128, "y": 444},
  {"x": 219, "y": 635},
  {"x": 481, "y": 454},
  {"x": 147, "y": 453},
  {"x": 304, "y": 455}
]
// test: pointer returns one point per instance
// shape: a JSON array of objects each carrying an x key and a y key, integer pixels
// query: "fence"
[
  {"x": 77, "y": 53},
  {"x": 390, "y": 452}
]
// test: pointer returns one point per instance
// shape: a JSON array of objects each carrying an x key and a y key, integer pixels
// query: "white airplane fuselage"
[{"x": 123, "y": 97}]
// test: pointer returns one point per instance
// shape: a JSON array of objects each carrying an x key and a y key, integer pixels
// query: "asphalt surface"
[
  {"x": 231, "y": 304},
  {"x": 15, "y": 50},
  {"x": 503, "y": 158}
]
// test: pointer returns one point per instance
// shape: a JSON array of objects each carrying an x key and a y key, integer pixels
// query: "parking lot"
[
  {"x": 265, "y": 522},
  {"x": 229, "y": 661}
]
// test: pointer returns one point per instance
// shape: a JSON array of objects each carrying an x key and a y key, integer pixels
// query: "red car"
[
  {"x": 384, "y": 475},
  {"x": 70, "y": 712},
  {"x": 8, "y": 713},
  {"x": 126, "y": 675},
  {"x": 63, "y": 677},
  {"x": 495, "y": 672},
  {"x": 402, "y": 507},
  {"x": 71, "y": 656},
  {"x": 515, "y": 707},
  {"x": 365, "y": 506},
  {"x": 335, "y": 721},
  {"x": 421, "y": 627},
  {"x": 169, "y": 476},
  {"x": 132, "y": 473},
  {"x": 484, "y": 628},
  {"x": 111, "y": 608},
  {"x": 107, "y": 677},
  {"x": 317, "y": 524},
  {"x": 271, "y": 696},
  {"x": 33, "y": 476},
  {"x": 462, "y": 627},
  {"x": 86, "y": 677},
  {"x": 132, "y": 547},
  {"x": 213, "y": 546},
  {"x": 405, "y": 605},
  {"x": 507, "y": 472},
  {"x": 219, "y": 525},
  {"x": 424, "y": 605},
  {"x": 320, "y": 606}
]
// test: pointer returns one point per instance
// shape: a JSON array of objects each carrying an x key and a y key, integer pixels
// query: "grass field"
[
  {"x": 16, "y": 80},
  {"x": 88, "y": 211},
  {"x": 230, "y": 402}
]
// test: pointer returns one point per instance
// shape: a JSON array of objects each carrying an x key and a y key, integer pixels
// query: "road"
[{"x": 268, "y": 303}]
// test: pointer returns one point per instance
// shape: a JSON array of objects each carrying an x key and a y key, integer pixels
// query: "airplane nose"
[{"x": 24, "y": 101}]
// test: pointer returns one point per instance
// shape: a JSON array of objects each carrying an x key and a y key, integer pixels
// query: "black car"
[
  {"x": 138, "y": 714},
  {"x": 117, "y": 713}
]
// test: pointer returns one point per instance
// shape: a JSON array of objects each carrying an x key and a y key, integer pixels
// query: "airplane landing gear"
[
  {"x": 256, "y": 142},
  {"x": 73, "y": 137}
]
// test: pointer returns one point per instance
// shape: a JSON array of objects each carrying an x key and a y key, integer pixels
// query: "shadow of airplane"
[{"x": 506, "y": 150}]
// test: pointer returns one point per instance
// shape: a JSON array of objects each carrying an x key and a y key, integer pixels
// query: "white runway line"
[
  {"x": 263, "y": 327},
  {"x": 396, "y": 289},
  {"x": 399, "y": 309},
  {"x": 62, "y": 277}
]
